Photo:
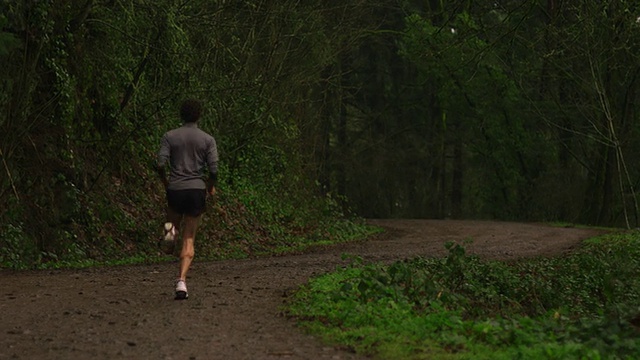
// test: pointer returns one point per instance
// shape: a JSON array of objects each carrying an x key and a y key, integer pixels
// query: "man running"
[{"x": 187, "y": 150}]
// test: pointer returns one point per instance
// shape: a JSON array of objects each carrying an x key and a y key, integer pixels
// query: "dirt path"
[{"x": 233, "y": 310}]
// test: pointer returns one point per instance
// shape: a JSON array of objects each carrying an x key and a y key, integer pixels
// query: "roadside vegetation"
[
  {"x": 236, "y": 226},
  {"x": 584, "y": 305}
]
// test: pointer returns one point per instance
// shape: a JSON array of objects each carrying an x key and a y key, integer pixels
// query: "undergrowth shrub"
[
  {"x": 598, "y": 279},
  {"x": 17, "y": 250},
  {"x": 252, "y": 217},
  {"x": 580, "y": 305}
]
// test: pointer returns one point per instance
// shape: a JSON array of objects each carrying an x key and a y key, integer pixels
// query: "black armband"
[{"x": 161, "y": 171}]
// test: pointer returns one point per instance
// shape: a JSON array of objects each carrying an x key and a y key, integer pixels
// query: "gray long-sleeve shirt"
[{"x": 188, "y": 150}]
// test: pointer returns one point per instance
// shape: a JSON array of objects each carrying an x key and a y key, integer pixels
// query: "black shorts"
[{"x": 189, "y": 202}]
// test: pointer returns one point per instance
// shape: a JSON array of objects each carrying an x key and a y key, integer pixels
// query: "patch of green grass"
[
  {"x": 581, "y": 226},
  {"x": 87, "y": 263},
  {"x": 459, "y": 307},
  {"x": 345, "y": 235},
  {"x": 238, "y": 248}
]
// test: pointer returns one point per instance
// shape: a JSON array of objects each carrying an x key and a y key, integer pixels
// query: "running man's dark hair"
[{"x": 191, "y": 110}]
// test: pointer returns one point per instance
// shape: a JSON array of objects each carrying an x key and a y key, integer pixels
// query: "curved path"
[{"x": 233, "y": 311}]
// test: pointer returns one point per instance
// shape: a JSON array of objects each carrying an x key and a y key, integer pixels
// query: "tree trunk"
[{"x": 456, "y": 179}]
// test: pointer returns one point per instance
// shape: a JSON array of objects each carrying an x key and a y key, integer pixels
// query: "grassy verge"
[
  {"x": 337, "y": 231},
  {"x": 581, "y": 306}
]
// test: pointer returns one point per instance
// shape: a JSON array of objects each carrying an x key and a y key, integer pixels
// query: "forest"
[{"x": 324, "y": 112}]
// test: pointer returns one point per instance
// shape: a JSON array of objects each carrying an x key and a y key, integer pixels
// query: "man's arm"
[
  {"x": 162, "y": 172},
  {"x": 212, "y": 163}
]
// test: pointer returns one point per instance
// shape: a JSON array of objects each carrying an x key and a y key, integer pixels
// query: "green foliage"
[
  {"x": 88, "y": 88},
  {"x": 476, "y": 109},
  {"x": 16, "y": 249},
  {"x": 481, "y": 108},
  {"x": 582, "y": 305},
  {"x": 8, "y": 41},
  {"x": 254, "y": 218}
]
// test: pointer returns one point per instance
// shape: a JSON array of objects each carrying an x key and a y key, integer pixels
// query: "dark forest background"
[{"x": 512, "y": 110}]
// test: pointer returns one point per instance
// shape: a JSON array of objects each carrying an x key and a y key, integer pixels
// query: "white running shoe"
[
  {"x": 181, "y": 290},
  {"x": 169, "y": 231},
  {"x": 168, "y": 243}
]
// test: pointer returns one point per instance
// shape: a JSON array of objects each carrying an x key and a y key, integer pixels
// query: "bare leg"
[{"x": 188, "y": 237}]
